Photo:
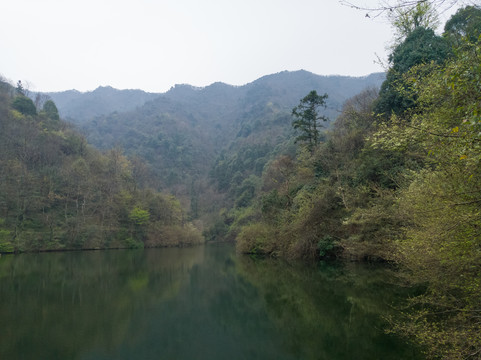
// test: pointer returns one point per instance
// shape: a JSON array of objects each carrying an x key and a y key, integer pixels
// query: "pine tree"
[{"x": 307, "y": 118}]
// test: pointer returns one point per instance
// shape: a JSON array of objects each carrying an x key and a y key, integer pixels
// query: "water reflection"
[
  {"x": 329, "y": 311},
  {"x": 194, "y": 303}
]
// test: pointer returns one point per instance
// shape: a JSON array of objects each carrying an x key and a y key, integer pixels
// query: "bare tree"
[
  {"x": 385, "y": 6},
  {"x": 40, "y": 100}
]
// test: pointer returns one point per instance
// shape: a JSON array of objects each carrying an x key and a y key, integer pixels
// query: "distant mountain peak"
[{"x": 103, "y": 88}]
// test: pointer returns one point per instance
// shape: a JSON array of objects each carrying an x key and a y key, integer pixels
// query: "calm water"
[{"x": 194, "y": 303}]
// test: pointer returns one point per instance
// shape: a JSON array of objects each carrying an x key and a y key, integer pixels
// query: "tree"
[
  {"x": 51, "y": 110},
  {"x": 307, "y": 118},
  {"x": 406, "y": 20},
  {"x": 40, "y": 100},
  {"x": 20, "y": 89},
  {"x": 24, "y": 105},
  {"x": 465, "y": 24},
  {"x": 421, "y": 46}
]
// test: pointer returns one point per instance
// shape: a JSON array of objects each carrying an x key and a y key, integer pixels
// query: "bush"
[
  {"x": 258, "y": 238},
  {"x": 174, "y": 235},
  {"x": 133, "y": 244},
  {"x": 24, "y": 105}
]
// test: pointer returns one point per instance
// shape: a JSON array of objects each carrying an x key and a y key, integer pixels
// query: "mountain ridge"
[
  {"x": 79, "y": 107},
  {"x": 189, "y": 133}
]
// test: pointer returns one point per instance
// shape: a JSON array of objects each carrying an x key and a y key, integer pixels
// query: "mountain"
[
  {"x": 82, "y": 106},
  {"x": 284, "y": 88},
  {"x": 202, "y": 143},
  {"x": 206, "y": 146}
]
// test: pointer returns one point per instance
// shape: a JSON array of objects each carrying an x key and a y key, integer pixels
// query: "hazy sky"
[{"x": 154, "y": 44}]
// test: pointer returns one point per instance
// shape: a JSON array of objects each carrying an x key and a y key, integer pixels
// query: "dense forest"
[
  {"x": 58, "y": 192},
  {"x": 199, "y": 144},
  {"x": 295, "y": 166}
]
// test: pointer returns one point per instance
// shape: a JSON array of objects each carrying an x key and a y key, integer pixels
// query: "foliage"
[
  {"x": 80, "y": 107},
  {"x": 201, "y": 143},
  {"x": 258, "y": 239},
  {"x": 440, "y": 204},
  {"x": 421, "y": 46},
  {"x": 139, "y": 216},
  {"x": 50, "y": 110},
  {"x": 465, "y": 25},
  {"x": 175, "y": 235},
  {"x": 407, "y": 19},
  {"x": 388, "y": 6},
  {"x": 320, "y": 202},
  {"x": 24, "y": 105},
  {"x": 20, "y": 89},
  {"x": 5, "y": 245},
  {"x": 57, "y": 192}
]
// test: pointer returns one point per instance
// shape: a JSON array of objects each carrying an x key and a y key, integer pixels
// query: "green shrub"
[{"x": 257, "y": 238}]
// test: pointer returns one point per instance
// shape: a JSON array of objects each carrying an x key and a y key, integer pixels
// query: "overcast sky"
[{"x": 152, "y": 45}]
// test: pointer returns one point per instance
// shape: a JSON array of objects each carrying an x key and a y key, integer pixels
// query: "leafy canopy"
[
  {"x": 24, "y": 105},
  {"x": 421, "y": 46},
  {"x": 465, "y": 24},
  {"x": 51, "y": 110}
]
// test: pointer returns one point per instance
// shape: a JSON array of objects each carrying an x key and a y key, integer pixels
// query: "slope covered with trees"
[
  {"x": 58, "y": 192},
  {"x": 192, "y": 139}
]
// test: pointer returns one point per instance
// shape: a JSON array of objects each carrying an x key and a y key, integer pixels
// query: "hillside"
[
  {"x": 197, "y": 140},
  {"x": 201, "y": 143},
  {"x": 59, "y": 193},
  {"x": 282, "y": 88},
  {"x": 186, "y": 132}
]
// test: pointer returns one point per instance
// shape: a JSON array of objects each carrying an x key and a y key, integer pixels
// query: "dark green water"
[{"x": 194, "y": 303}]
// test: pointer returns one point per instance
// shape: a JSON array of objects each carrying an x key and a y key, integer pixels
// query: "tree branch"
[
  {"x": 391, "y": 5},
  {"x": 438, "y": 134}
]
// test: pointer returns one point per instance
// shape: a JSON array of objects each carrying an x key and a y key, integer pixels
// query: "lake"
[{"x": 203, "y": 302}]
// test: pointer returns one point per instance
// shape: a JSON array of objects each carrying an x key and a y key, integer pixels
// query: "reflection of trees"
[
  {"x": 191, "y": 303},
  {"x": 54, "y": 306},
  {"x": 328, "y": 312}
]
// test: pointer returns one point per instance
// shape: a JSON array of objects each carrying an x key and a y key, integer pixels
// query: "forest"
[
  {"x": 58, "y": 192},
  {"x": 384, "y": 168}
]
